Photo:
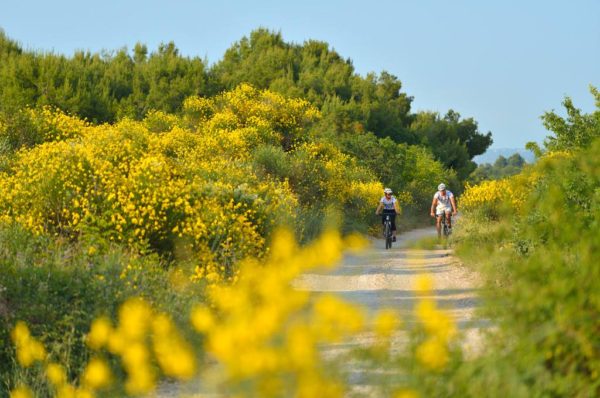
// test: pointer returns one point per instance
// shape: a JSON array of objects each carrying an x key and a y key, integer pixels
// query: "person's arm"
[
  {"x": 433, "y": 204},
  {"x": 397, "y": 207},
  {"x": 379, "y": 208},
  {"x": 453, "y": 205}
]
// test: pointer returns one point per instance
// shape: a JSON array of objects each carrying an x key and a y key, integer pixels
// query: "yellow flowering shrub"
[
  {"x": 488, "y": 194},
  {"x": 179, "y": 184},
  {"x": 274, "y": 118},
  {"x": 32, "y": 126},
  {"x": 512, "y": 192},
  {"x": 52, "y": 124}
]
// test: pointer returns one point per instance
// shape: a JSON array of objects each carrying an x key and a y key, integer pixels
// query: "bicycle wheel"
[{"x": 387, "y": 233}]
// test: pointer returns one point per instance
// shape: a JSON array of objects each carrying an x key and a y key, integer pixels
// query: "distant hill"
[{"x": 492, "y": 154}]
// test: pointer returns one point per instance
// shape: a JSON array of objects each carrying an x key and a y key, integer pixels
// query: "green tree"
[
  {"x": 453, "y": 141},
  {"x": 515, "y": 160},
  {"x": 577, "y": 130},
  {"x": 501, "y": 168},
  {"x": 501, "y": 162}
]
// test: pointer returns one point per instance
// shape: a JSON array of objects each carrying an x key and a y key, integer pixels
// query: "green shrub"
[
  {"x": 542, "y": 273},
  {"x": 58, "y": 288}
]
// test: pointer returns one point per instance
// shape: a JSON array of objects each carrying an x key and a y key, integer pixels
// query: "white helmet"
[
  {"x": 441, "y": 187},
  {"x": 387, "y": 190}
]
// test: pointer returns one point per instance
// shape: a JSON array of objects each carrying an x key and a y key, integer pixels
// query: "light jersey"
[
  {"x": 443, "y": 201},
  {"x": 388, "y": 204}
]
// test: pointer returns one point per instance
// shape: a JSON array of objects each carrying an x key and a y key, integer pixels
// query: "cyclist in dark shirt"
[{"x": 389, "y": 205}]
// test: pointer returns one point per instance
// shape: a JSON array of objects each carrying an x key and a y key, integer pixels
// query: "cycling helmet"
[
  {"x": 387, "y": 190},
  {"x": 441, "y": 187}
]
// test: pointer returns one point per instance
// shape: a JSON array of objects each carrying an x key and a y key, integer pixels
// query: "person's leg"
[
  {"x": 394, "y": 227},
  {"x": 449, "y": 219},
  {"x": 438, "y": 224}
]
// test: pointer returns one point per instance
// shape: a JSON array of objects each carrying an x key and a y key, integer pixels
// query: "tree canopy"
[{"x": 111, "y": 85}]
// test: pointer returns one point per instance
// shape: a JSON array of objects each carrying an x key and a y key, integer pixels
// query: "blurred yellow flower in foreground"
[
  {"x": 202, "y": 319},
  {"x": 56, "y": 374},
  {"x": 97, "y": 374},
  {"x": 423, "y": 284},
  {"x": 405, "y": 393},
  {"x": 29, "y": 349},
  {"x": 386, "y": 322},
  {"x": 263, "y": 336},
  {"x": 99, "y": 333},
  {"x": 435, "y": 321},
  {"x": 433, "y": 354},
  {"x": 438, "y": 325},
  {"x": 174, "y": 355},
  {"x": 21, "y": 392}
]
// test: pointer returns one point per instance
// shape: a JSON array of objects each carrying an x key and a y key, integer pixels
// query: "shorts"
[
  {"x": 443, "y": 209},
  {"x": 392, "y": 213}
]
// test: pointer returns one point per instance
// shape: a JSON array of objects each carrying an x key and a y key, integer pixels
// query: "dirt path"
[{"x": 382, "y": 278}]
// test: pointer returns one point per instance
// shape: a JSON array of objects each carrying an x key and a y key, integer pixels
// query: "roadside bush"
[
  {"x": 540, "y": 264},
  {"x": 214, "y": 190},
  {"x": 58, "y": 288}
]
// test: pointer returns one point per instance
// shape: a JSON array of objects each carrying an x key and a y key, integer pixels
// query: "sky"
[{"x": 504, "y": 63}]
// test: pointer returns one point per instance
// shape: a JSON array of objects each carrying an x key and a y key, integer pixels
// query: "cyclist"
[
  {"x": 389, "y": 205},
  {"x": 444, "y": 205}
]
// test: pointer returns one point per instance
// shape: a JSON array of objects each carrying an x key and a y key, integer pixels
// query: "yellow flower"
[
  {"x": 99, "y": 333},
  {"x": 406, "y": 393},
  {"x": 202, "y": 319},
  {"x": 134, "y": 318},
  {"x": 83, "y": 393},
  {"x": 334, "y": 318},
  {"x": 29, "y": 349},
  {"x": 65, "y": 391},
  {"x": 21, "y": 392},
  {"x": 97, "y": 374},
  {"x": 20, "y": 333},
  {"x": 141, "y": 380},
  {"x": 423, "y": 285},
  {"x": 435, "y": 321},
  {"x": 386, "y": 322},
  {"x": 174, "y": 355},
  {"x": 56, "y": 374},
  {"x": 433, "y": 354}
]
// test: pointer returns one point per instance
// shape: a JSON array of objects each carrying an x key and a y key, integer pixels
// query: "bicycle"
[
  {"x": 446, "y": 231},
  {"x": 387, "y": 231}
]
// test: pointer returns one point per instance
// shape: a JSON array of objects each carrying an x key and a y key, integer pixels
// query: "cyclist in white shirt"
[
  {"x": 444, "y": 205},
  {"x": 389, "y": 205}
]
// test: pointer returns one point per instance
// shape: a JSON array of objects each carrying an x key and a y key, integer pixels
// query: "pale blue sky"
[{"x": 503, "y": 63}]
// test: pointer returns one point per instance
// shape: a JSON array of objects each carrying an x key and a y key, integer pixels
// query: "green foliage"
[
  {"x": 410, "y": 170},
  {"x": 501, "y": 168},
  {"x": 58, "y": 288},
  {"x": 543, "y": 282},
  {"x": 453, "y": 141},
  {"x": 110, "y": 86},
  {"x": 99, "y": 87},
  {"x": 577, "y": 130}
]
